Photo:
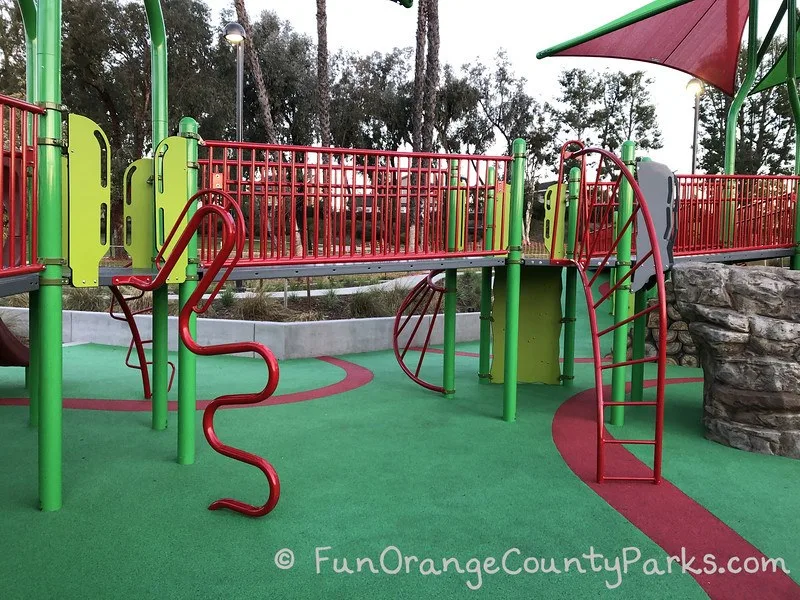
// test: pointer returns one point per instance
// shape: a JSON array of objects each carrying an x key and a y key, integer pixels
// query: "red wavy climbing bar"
[{"x": 220, "y": 208}]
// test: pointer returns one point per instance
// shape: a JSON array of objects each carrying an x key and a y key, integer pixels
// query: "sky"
[{"x": 473, "y": 29}]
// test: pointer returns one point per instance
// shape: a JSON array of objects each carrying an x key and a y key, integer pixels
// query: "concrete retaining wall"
[{"x": 286, "y": 340}]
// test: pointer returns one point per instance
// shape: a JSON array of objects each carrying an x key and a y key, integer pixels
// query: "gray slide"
[{"x": 660, "y": 188}]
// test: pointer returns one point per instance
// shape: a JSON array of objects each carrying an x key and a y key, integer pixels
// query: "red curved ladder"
[
  {"x": 117, "y": 297},
  {"x": 221, "y": 208},
  {"x": 414, "y": 309},
  {"x": 596, "y": 250}
]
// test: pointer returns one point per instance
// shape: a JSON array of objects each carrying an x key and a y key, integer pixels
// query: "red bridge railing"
[
  {"x": 716, "y": 213},
  {"x": 18, "y": 186},
  {"x": 760, "y": 211},
  {"x": 312, "y": 205}
]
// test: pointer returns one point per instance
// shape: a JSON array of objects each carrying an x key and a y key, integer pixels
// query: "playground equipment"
[{"x": 275, "y": 211}]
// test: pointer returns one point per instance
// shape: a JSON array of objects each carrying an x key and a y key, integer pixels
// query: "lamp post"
[
  {"x": 697, "y": 88},
  {"x": 235, "y": 35}
]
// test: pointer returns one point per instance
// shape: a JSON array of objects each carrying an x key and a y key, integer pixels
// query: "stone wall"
[
  {"x": 681, "y": 349},
  {"x": 745, "y": 322}
]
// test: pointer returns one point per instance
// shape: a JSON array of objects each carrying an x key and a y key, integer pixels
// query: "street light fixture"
[
  {"x": 697, "y": 88},
  {"x": 235, "y": 35}
]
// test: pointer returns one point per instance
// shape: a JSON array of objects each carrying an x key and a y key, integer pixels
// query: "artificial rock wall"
[{"x": 745, "y": 322}]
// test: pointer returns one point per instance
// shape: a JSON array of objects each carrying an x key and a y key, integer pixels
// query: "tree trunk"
[
  {"x": 419, "y": 76},
  {"x": 258, "y": 75},
  {"x": 431, "y": 76},
  {"x": 323, "y": 81}
]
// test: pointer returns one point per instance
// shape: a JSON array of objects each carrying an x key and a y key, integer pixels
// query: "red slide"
[{"x": 13, "y": 353}]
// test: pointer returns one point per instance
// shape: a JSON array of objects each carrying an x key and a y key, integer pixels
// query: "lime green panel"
[
  {"x": 64, "y": 207},
  {"x": 539, "y": 326},
  {"x": 138, "y": 213},
  {"x": 461, "y": 221},
  {"x": 502, "y": 199},
  {"x": 550, "y": 224},
  {"x": 172, "y": 193},
  {"x": 89, "y": 199}
]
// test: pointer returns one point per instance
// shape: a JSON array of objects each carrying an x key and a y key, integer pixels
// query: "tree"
[
  {"x": 12, "y": 50},
  {"x": 419, "y": 75},
  {"x": 764, "y": 129},
  {"x": 323, "y": 77},
  {"x": 371, "y": 100},
  {"x": 462, "y": 127},
  {"x": 607, "y": 109},
  {"x": 431, "y": 75},
  {"x": 256, "y": 72}
]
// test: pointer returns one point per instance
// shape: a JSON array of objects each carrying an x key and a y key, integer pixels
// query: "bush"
[{"x": 86, "y": 299}]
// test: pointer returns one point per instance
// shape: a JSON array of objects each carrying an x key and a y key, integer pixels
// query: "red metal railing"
[
  {"x": 716, "y": 214},
  {"x": 728, "y": 213},
  {"x": 309, "y": 205},
  {"x": 18, "y": 186}
]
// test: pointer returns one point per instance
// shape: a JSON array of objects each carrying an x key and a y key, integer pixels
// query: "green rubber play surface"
[{"x": 387, "y": 468}]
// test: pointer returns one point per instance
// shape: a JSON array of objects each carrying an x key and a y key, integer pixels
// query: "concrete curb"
[{"x": 286, "y": 340}]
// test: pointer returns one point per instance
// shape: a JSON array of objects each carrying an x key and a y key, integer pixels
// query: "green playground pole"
[
  {"x": 28, "y": 11},
  {"x": 729, "y": 214},
  {"x": 158, "y": 63},
  {"x": 639, "y": 337},
  {"x": 513, "y": 276},
  {"x": 622, "y": 298},
  {"x": 187, "y": 361},
  {"x": 485, "y": 362},
  {"x": 794, "y": 98},
  {"x": 570, "y": 299},
  {"x": 50, "y": 294},
  {"x": 450, "y": 284}
]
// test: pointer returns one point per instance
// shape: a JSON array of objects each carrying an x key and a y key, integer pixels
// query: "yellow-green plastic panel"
[
  {"x": 89, "y": 211},
  {"x": 556, "y": 195},
  {"x": 172, "y": 193},
  {"x": 502, "y": 201},
  {"x": 539, "y": 326},
  {"x": 138, "y": 213}
]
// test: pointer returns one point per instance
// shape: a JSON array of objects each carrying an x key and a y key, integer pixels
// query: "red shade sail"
[{"x": 699, "y": 37}]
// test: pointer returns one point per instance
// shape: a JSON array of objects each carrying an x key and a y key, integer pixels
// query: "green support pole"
[
  {"x": 485, "y": 361},
  {"x": 570, "y": 294},
  {"x": 622, "y": 298},
  {"x": 729, "y": 214},
  {"x": 639, "y": 337},
  {"x": 158, "y": 64},
  {"x": 794, "y": 99},
  {"x": 29, "y": 17},
  {"x": 187, "y": 361},
  {"x": 450, "y": 296},
  {"x": 50, "y": 294},
  {"x": 513, "y": 277}
]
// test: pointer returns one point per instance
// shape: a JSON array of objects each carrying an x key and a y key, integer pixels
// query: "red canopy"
[{"x": 699, "y": 37}]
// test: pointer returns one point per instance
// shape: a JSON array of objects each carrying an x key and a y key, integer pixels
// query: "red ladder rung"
[
  {"x": 633, "y": 442},
  {"x": 627, "y": 363},
  {"x": 612, "y": 403},
  {"x": 623, "y": 478}
]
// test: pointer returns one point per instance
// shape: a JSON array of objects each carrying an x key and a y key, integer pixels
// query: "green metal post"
[
  {"x": 485, "y": 361},
  {"x": 450, "y": 296},
  {"x": 729, "y": 213},
  {"x": 187, "y": 361},
  {"x": 50, "y": 294},
  {"x": 744, "y": 90},
  {"x": 794, "y": 99},
  {"x": 622, "y": 298},
  {"x": 158, "y": 66},
  {"x": 639, "y": 337},
  {"x": 513, "y": 277},
  {"x": 29, "y": 17},
  {"x": 570, "y": 299}
]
